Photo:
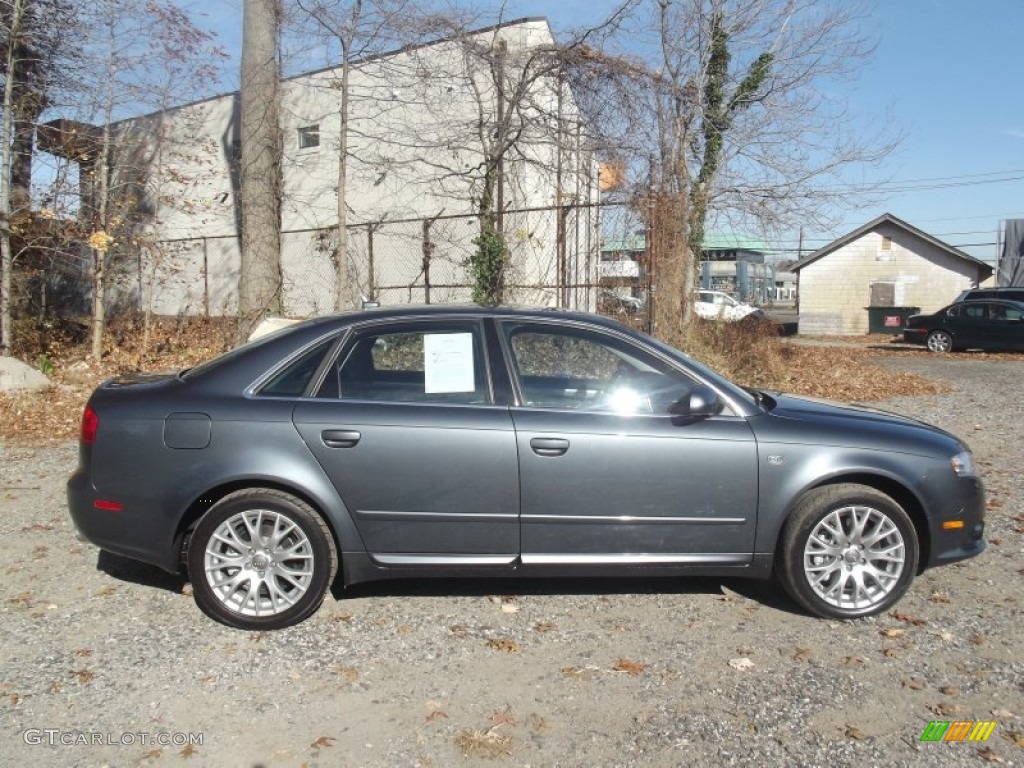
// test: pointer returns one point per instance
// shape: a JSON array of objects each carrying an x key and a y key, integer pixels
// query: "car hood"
[{"x": 816, "y": 421}]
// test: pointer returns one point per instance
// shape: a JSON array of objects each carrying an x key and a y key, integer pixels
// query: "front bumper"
[
  {"x": 966, "y": 503},
  {"x": 915, "y": 335}
]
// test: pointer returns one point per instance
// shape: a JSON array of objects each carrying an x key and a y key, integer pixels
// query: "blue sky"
[{"x": 946, "y": 74}]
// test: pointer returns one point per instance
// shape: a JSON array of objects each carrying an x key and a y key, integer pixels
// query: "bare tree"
[
  {"x": 361, "y": 28},
  {"x": 489, "y": 105},
  {"x": 259, "y": 284},
  {"x": 733, "y": 101},
  {"x": 14, "y": 31}
]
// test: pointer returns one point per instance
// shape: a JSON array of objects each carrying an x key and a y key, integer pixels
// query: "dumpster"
[{"x": 889, "y": 319}]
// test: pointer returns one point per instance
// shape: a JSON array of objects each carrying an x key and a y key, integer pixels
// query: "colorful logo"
[{"x": 958, "y": 730}]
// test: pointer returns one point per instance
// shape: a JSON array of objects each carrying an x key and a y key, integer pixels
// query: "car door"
[
  {"x": 405, "y": 426},
  {"x": 1006, "y": 325},
  {"x": 607, "y": 474},
  {"x": 970, "y": 326}
]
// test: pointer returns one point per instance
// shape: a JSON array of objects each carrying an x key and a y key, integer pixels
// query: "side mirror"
[{"x": 699, "y": 402}]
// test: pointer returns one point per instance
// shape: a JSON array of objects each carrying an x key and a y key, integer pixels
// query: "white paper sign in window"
[{"x": 448, "y": 362}]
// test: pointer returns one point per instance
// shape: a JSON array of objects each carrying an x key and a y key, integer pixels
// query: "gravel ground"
[{"x": 115, "y": 658}]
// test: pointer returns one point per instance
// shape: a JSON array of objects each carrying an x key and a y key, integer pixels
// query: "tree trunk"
[
  {"x": 669, "y": 254},
  {"x": 347, "y": 296},
  {"x": 6, "y": 159},
  {"x": 259, "y": 283}
]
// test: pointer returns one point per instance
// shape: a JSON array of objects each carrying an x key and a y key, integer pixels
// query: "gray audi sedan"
[{"x": 470, "y": 441}]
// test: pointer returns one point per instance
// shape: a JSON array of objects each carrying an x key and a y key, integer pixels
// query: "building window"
[
  {"x": 886, "y": 243},
  {"x": 309, "y": 136}
]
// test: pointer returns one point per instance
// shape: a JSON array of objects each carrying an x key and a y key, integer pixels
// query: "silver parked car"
[{"x": 440, "y": 441}]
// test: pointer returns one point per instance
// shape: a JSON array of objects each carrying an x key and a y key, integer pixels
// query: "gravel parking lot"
[{"x": 107, "y": 662}]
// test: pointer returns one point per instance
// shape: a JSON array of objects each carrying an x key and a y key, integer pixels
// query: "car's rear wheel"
[
  {"x": 940, "y": 341},
  {"x": 847, "y": 550},
  {"x": 261, "y": 559}
]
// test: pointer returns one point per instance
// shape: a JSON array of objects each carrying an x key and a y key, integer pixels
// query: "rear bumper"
[{"x": 127, "y": 533}]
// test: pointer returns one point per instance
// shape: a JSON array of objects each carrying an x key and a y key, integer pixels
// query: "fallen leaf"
[
  {"x": 995, "y": 542},
  {"x": 458, "y": 630},
  {"x": 939, "y": 597},
  {"x": 1015, "y": 737},
  {"x": 906, "y": 618},
  {"x": 741, "y": 664},
  {"x": 576, "y": 672},
  {"x": 893, "y": 632},
  {"x": 502, "y": 717},
  {"x": 854, "y": 661},
  {"x": 945, "y": 709},
  {"x": 437, "y": 714},
  {"x": 84, "y": 676},
  {"x": 949, "y": 690},
  {"x": 509, "y": 608},
  {"x": 543, "y": 626},
  {"x": 891, "y": 653},
  {"x": 349, "y": 673},
  {"x": 82, "y": 652},
  {"x": 802, "y": 654},
  {"x": 504, "y": 644},
  {"x": 912, "y": 684},
  {"x": 1003, "y": 714},
  {"x": 153, "y": 754},
  {"x": 188, "y": 750},
  {"x": 854, "y": 733},
  {"x": 323, "y": 741},
  {"x": 989, "y": 754},
  {"x": 977, "y": 639},
  {"x": 633, "y": 668}
]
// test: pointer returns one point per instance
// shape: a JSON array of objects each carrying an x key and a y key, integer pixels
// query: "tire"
[
  {"x": 939, "y": 341},
  {"x": 830, "y": 559},
  {"x": 275, "y": 584}
]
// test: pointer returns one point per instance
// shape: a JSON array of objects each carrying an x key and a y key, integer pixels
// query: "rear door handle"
[
  {"x": 340, "y": 438},
  {"x": 549, "y": 446}
]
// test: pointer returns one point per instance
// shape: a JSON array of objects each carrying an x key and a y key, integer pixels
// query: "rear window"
[{"x": 293, "y": 379}]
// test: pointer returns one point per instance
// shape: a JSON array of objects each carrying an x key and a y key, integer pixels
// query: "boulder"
[{"x": 16, "y": 376}]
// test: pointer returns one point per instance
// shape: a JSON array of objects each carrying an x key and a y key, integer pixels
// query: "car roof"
[{"x": 259, "y": 355}]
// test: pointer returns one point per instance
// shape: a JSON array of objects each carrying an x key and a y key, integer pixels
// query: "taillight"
[{"x": 90, "y": 423}]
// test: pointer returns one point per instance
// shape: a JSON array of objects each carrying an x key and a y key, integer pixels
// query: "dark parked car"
[
  {"x": 994, "y": 325},
  {"x": 467, "y": 441}
]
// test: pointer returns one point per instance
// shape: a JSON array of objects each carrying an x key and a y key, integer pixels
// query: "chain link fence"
[{"x": 554, "y": 257}]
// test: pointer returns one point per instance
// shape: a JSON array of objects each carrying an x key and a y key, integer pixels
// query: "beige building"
[
  {"x": 418, "y": 120},
  {"x": 887, "y": 263}
]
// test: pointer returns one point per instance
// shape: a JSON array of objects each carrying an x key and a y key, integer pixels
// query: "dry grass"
[
  {"x": 750, "y": 354},
  {"x": 173, "y": 344}
]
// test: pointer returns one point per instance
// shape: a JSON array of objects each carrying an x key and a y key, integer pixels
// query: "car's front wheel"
[
  {"x": 261, "y": 559},
  {"x": 847, "y": 550},
  {"x": 940, "y": 341}
]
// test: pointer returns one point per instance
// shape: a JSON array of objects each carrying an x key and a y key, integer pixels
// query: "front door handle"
[
  {"x": 340, "y": 438},
  {"x": 549, "y": 446}
]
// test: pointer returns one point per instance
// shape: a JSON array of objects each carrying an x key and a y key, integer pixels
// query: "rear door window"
[{"x": 425, "y": 362}]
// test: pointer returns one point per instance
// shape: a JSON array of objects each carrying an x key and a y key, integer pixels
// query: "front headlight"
[{"x": 963, "y": 464}]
